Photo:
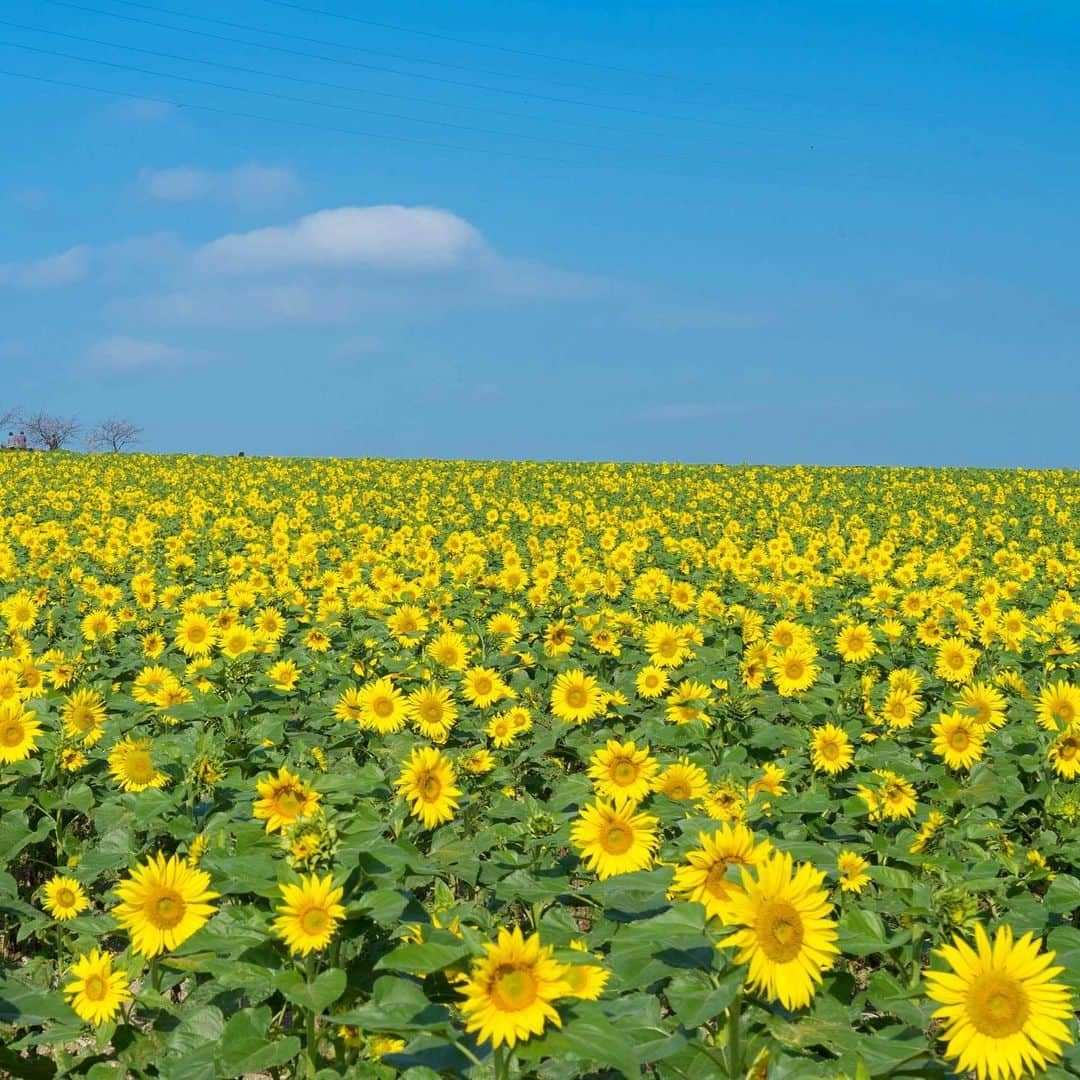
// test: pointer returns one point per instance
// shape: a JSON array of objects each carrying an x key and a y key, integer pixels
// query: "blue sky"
[{"x": 779, "y": 232}]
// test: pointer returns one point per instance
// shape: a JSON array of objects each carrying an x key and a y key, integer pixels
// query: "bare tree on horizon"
[
  {"x": 51, "y": 432},
  {"x": 114, "y": 435}
]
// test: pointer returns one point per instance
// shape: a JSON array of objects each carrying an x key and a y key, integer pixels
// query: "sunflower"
[
  {"x": 163, "y": 903},
  {"x": 283, "y": 675},
  {"x": 576, "y": 697},
  {"x": 483, "y": 687},
  {"x": 771, "y": 781},
  {"x": 852, "y": 868},
  {"x": 856, "y": 644},
  {"x": 725, "y": 803},
  {"x": 96, "y": 992},
  {"x": 622, "y": 771},
  {"x": 703, "y": 877},
  {"x": 558, "y": 639},
  {"x": 955, "y": 660},
  {"x": 830, "y": 749},
  {"x": 613, "y": 839},
  {"x": 585, "y": 981},
  {"x": 309, "y": 914},
  {"x": 427, "y": 783},
  {"x": 64, "y": 898},
  {"x": 83, "y": 714},
  {"x": 666, "y": 645},
  {"x": 1002, "y": 1009},
  {"x": 283, "y": 799},
  {"x": 900, "y": 709},
  {"x": 18, "y": 733},
  {"x": 382, "y": 707},
  {"x": 150, "y": 682},
  {"x": 651, "y": 682},
  {"x": 349, "y": 706},
  {"x": 794, "y": 670},
  {"x": 236, "y": 641},
  {"x": 683, "y": 781},
  {"x": 431, "y": 708},
  {"x": 783, "y": 929},
  {"x": 449, "y": 650},
  {"x": 984, "y": 703},
  {"x": 195, "y": 634},
  {"x": 1064, "y": 754},
  {"x": 132, "y": 767},
  {"x": 1059, "y": 705},
  {"x": 959, "y": 739},
  {"x": 896, "y": 796},
  {"x": 501, "y": 730},
  {"x": 508, "y": 992},
  {"x": 687, "y": 703}
]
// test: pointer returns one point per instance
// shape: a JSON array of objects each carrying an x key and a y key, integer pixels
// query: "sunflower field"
[{"x": 456, "y": 769}]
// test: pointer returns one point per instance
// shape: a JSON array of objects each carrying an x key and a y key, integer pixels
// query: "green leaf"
[
  {"x": 244, "y": 1046},
  {"x": 587, "y": 1036},
  {"x": 861, "y": 933},
  {"x": 197, "y": 1028},
  {"x": 694, "y": 999},
  {"x": 317, "y": 995},
  {"x": 425, "y": 958},
  {"x": 396, "y": 1005},
  {"x": 28, "y": 1006},
  {"x": 1063, "y": 896}
]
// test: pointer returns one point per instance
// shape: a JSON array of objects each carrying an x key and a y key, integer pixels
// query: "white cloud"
[
  {"x": 49, "y": 273},
  {"x": 398, "y": 237},
  {"x": 176, "y": 185},
  {"x": 121, "y": 353},
  {"x": 247, "y": 186}
]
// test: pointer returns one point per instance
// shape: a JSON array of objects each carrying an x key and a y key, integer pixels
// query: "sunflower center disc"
[
  {"x": 430, "y": 788},
  {"x": 167, "y": 910},
  {"x": 625, "y": 772},
  {"x": 94, "y": 988},
  {"x": 618, "y": 839},
  {"x": 11, "y": 734},
  {"x": 717, "y": 883},
  {"x": 313, "y": 921},
  {"x": 65, "y": 898},
  {"x": 779, "y": 931},
  {"x": 139, "y": 767},
  {"x": 575, "y": 697},
  {"x": 513, "y": 988},
  {"x": 997, "y": 1005},
  {"x": 383, "y": 707}
]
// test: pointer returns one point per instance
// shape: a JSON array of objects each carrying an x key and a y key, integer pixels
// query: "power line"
[
  {"x": 313, "y": 126},
  {"x": 331, "y": 85},
  {"x": 486, "y": 87},
  {"x": 476, "y": 44},
  {"x": 408, "y": 58},
  {"x": 681, "y": 79},
  {"x": 640, "y": 167},
  {"x": 294, "y": 99}
]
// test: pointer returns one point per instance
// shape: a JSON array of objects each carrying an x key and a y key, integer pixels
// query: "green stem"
[
  {"x": 155, "y": 974},
  {"x": 501, "y": 1061},
  {"x": 734, "y": 1049},
  {"x": 309, "y": 1018}
]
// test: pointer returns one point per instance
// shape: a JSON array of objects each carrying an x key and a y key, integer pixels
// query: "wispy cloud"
[
  {"x": 251, "y": 186},
  {"x": 409, "y": 237},
  {"x": 122, "y": 353},
  {"x": 51, "y": 272}
]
